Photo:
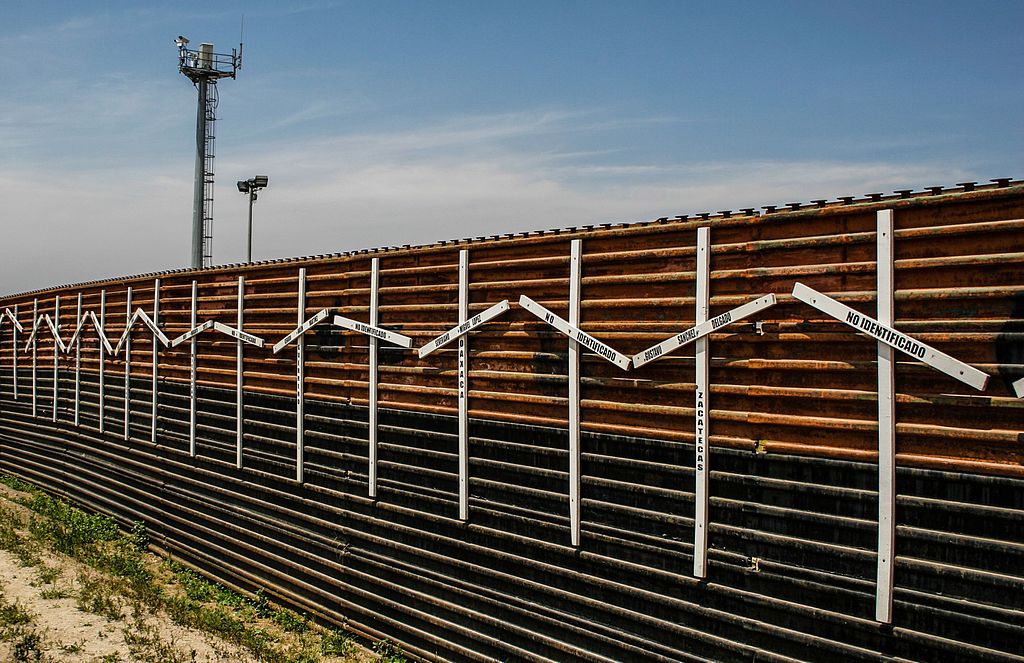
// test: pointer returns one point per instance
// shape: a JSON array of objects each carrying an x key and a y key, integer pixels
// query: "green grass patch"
[
  {"x": 100, "y": 597},
  {"x": 388, "y": 652},
  {"x": 271, "y": 633}
]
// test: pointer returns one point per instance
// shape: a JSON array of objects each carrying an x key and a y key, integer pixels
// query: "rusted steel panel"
[{"x": 792, "y": 380}]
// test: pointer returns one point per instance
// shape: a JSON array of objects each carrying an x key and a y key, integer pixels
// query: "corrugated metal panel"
[
  {"x": 793, "y": 484},
  {"x": 796, "y": 383}
]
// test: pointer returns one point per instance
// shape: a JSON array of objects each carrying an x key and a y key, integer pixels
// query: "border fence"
[{"x": 791, "y": 435}]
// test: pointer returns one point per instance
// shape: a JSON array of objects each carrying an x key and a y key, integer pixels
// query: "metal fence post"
[
  {"x": 300, "y": 368},
  {"x": 239, "y": 407},
  {"x": 702, "y": 412},
  {"x": 127, "y": 364},
  {"x": 374, "y": 285},
  {"x": 78, "y": 359},
  {"x": 463, "y": 387},
  {"x": 575, "y": 453},
  {"x": 192, "y": 375},
  {"x": 886, "y": 423},
  {"x": 156, "y": 348}
]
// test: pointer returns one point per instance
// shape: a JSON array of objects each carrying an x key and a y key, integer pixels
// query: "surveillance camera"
[{"x": 181, "y": 41}]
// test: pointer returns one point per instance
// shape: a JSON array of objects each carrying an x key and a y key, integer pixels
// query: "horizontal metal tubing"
[
  {"x": 529, "y": 611},
  {"x": 259, "y": 576},
  {"x": 268, "y": 571}
]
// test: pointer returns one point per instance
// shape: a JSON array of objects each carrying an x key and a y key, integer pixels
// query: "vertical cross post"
[
  {"x": 372, "y": 363},
  {"x": 702, "y": 413},
  {"x": 886, "y": 423},
  {"x": 463, "y": 387},
  {"x": 192, "y": 373},
  {"x": 56, "y": 352},
  {"x": 78, "y": 359},
  {"x": 15, "y": 333},
  {"x": 127, "y": 364},
  {"x": 35, "y": 343},
  {"x": 240, "y": 420},
  {"x": 103, "y": 362},
  {"x": 300, "y": 368},
  {"x": 156, "y": 349},
  {"x": 575, "y": 453}
]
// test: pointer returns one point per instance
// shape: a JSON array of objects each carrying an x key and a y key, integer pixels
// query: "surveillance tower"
[{"x": 204, "y": 68}]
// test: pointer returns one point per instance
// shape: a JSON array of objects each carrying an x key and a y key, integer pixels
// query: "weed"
[
  {"x": 145, "y": 645},
  {"x": 69, "y": 529},
  {"x": 47, "y": 575},
  {"x": 139, "y": 535},
  {"x": 336, "y": 643},
  {"x": 13, "y": 614},
  {"x": 28, "y": 553},
  {"x": 74, "y": 648},
  {"x": 90, "y": 538},
  {"x": 55, "y": 593},
  {"x": 11, "y": 538},
  {"x": 261, "y": 604},
  {"x": 10, "y": 523},
  {"x": 194, "y": 585},
  {"x": 17, "y": 626},
  {"x": 17, "y": 483},
  {"x": 290, "y": 621},
  {"x": 97, "y": 596},
  {"x": 27, "y": 646},
  {"x": 123, "y": 558},
  {"x": 388, "y": 652}
]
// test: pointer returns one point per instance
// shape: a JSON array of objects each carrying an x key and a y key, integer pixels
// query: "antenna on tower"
[{"x": 204, "y": 68}]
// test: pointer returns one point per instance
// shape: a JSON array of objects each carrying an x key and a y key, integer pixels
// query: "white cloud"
[{"x": 460, "y": 178}]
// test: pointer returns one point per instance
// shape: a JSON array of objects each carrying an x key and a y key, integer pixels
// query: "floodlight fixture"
[{"x": 252, "y": 186}]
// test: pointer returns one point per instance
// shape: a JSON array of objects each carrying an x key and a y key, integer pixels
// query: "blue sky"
[{"x": 383, "y": 123}]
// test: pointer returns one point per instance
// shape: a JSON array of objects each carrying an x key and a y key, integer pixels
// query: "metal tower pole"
[
  {"x": 200, "y": 183},
  {"x": 204, "y": 68}
]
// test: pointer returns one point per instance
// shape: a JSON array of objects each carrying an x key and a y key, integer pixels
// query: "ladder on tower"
[{"x": 210, "y": 116}]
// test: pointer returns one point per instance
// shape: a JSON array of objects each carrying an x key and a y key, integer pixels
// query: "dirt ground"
[
  {"x": 55, "y": 608},
  {"x": 67, "y": 633}
]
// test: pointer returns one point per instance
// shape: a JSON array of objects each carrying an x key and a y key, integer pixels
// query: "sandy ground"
[
  {"x": 70, "y": 634},
  {"x": 75, "y": 614}
]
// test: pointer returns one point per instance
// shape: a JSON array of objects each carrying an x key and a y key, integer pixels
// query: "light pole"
[{"x": 251, "y": 186}]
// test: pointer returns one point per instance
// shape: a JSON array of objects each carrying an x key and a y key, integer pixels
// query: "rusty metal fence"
[{"x": 424, "y": 455}]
